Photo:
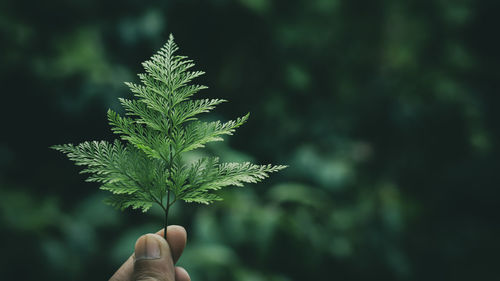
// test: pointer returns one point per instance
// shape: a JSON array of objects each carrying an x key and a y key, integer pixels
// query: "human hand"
[{"x": 154, "y": 258}]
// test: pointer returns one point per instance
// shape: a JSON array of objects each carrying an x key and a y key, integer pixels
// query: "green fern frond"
[
  {"x": 197, "y": 134},
  {"x": 159, "y": 126}
]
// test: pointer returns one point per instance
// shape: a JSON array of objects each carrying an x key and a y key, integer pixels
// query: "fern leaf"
[
  {"x": 197, "y": 134},
  {"x": 160, "y": 125}
]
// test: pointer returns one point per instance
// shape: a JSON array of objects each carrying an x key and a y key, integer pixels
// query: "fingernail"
[{"x": 147, "y": 248}]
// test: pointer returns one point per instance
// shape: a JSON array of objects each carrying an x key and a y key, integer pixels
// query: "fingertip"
[
  {"x": 152, "y": 259},
  {"x": 173, "y": 228},
  {"x": 181, "y": 274},
  {"x": 151, "y": 246},
  {"x": 151, "y": 236},
  {"x": 176, "y": 238},
  {"x": 177, "y": 228}
]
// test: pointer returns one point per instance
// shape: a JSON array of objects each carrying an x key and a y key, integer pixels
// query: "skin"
[{"x": 158, "y": 268}]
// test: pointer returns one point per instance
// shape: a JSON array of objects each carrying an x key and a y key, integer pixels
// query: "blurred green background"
[{"x": 385, "y": 110}]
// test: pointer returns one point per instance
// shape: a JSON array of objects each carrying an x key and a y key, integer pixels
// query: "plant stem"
[{"x": 166, "y": 215}]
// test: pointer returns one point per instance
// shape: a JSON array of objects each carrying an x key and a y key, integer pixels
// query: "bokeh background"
[{"x": 385, "y": 110}]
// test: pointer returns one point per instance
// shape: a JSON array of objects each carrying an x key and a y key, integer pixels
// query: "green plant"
[{"x": 161, "y": 125}]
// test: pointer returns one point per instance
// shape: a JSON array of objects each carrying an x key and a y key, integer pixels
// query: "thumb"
[{"x": 153, "y": 259}]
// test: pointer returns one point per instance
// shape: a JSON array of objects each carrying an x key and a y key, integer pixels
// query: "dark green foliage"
[
  {"x": 386, "y": 111},
  {"x": 161, "y": 125}
]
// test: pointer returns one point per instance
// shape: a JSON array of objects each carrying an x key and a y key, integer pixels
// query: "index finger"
[{"x": 176, "y": 238}]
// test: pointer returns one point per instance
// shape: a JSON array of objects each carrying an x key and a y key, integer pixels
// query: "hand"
[{"x": 154, "y": 258}]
